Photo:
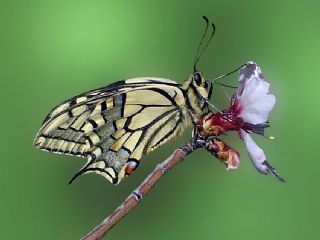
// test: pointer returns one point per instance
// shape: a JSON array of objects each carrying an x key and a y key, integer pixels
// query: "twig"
[{"x": 133, "y": 199}]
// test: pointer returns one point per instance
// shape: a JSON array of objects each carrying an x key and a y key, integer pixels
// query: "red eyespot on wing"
[{"x": 132, "y": 165}]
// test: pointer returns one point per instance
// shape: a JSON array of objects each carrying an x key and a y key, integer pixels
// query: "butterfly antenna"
[
  {"x": 225, "y": 85},
  {"x": 206, "y": 46},
  {"x": 196, "y": 58},
  {"x": 227, "y": 74}
]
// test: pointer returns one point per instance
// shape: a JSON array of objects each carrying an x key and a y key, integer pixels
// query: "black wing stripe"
[
  {"x": 145, "y": 128},
  {"x": 171, "y": 132},
  {"x": 60, "y": 138},
  {"x": 93, "y": 123},
  {"x": 165, "y": 94},
  {"x": 103, "y": 106}
]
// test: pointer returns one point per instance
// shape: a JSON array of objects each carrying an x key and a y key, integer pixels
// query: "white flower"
[{"x": 253, "y": 104}]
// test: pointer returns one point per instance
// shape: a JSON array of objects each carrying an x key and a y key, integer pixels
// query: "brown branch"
[{"x": 133, "y": 199}]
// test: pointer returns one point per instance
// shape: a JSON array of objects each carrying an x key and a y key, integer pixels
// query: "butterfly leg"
[{"x": 194, "y": 132}]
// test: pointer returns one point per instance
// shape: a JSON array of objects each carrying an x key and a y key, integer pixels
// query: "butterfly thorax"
[{"x": 196, "y": 94}]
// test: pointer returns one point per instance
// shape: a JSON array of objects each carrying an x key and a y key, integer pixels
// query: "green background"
[{"x": 52, "y": 50}]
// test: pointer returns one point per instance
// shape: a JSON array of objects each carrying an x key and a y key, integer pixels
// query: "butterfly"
[{"x": 114, "y": 126}]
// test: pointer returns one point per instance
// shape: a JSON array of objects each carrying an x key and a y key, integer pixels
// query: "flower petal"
[
  {"x": 257, "y": 111},
  {"x": 258, "y": 157},
  {"x": 248, "y": 70},
  {"x": 255, "y": 152},
  {"x": 253, "y": 96}
]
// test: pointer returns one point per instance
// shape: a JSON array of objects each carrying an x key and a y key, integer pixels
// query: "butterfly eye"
[{"x": 197, "y": 78}]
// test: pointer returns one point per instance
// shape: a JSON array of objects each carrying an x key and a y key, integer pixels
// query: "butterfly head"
[
  {"x": 198, "y": 92},
  {"x": 202, "y": 87}
]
